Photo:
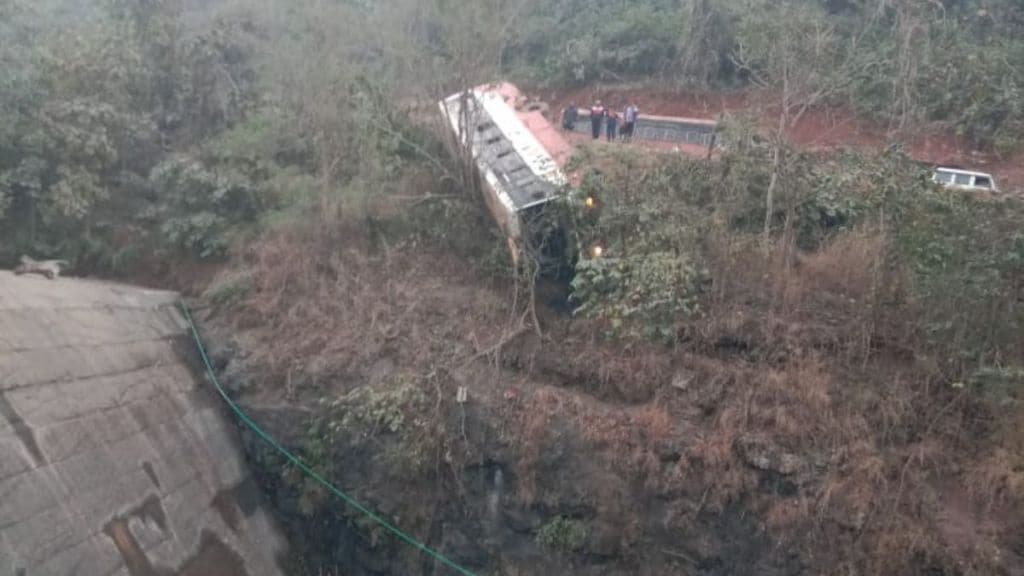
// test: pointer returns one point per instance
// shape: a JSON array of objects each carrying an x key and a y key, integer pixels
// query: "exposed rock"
[
  {"x": 683, "y": 378},
  {"x": 759, "y": 454}
]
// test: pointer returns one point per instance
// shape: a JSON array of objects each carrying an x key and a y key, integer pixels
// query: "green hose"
[{"x": 306, "y": 469}]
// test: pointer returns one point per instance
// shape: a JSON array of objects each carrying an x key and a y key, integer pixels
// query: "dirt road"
[{"x": 823, "y": 129}]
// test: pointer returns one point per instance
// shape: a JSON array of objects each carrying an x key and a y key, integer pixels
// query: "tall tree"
[
  {"x": 707, "y": 42},
  {"x": 789, "y": 51}
]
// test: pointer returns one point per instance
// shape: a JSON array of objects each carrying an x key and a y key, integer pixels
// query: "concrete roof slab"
[{"x": 111, "y": 453}]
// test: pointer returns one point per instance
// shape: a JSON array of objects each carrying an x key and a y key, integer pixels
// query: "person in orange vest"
[{"x": 597, "y": 114}]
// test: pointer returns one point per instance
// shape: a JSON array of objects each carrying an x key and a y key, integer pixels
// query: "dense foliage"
[
  {"x": 647, "y": 223},
  {"x": 138, "y": 131},
  {"x": 663, "y": 225},
  {"x": 90, "y": 116},
  {"x": 959, "y": 62},
  {"x": 117, "y": 114}
]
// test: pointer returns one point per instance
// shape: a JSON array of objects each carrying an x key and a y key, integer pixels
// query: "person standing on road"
[
  {"x": 570, "y": 116},
  {"x": 629, "y": 118},
  {"x": 597, "y": 114},
  {"x": 612, "y": 125}
]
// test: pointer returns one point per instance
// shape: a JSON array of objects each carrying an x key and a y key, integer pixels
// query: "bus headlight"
[{"x": 596, "y": 251}]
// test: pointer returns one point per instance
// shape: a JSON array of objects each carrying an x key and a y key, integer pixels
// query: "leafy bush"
[
  {"x": 563, "y": 534},
  {"x": 389, "y": 416},
  {"x": 230, "y": 289},
  {"x": 648, "y": 221},
  {"x": 648, "y": 293},
  {"x": 596, "y": 40},
  {"x": 372, "y": 410},
  {"x": 966, "y": 257},
  {"x": 196, "y": 208},
  {"x": 1004, "y": 386}
]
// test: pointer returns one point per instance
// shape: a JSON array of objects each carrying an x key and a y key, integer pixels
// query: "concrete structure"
[{"x": 113, "y": 458}]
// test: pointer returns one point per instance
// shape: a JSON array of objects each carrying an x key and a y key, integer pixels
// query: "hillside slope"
[{"x": 753, "y": 449}]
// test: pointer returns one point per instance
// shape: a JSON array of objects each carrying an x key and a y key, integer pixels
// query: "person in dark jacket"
[
  {"x": 597, "y": 114},
  {"x": 612, "y": 125},
  {"x": 570, "y": 116}
]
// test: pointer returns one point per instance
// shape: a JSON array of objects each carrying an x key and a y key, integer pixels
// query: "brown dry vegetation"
[
  {"x": 797, "y": 426},
  {"x": 884, "y": 444}
]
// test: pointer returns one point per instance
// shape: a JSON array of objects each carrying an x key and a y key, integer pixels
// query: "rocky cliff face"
[{"x": 524, "y": 478}]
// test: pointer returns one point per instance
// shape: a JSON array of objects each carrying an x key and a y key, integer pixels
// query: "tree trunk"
[
  {"x": 769, "y": 200},
  {"x": 779, "y": 140}
]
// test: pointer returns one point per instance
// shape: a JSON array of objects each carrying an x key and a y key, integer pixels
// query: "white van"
[{"x": 965, "y": 179}]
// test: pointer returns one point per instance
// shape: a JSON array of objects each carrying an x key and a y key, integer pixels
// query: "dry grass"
[
  {"x": 787, "y": 514},
  {"x": 581, "y": 360},
  {"x": 839, "y": 298},
  {"x": 997, "y": 479},
  {"x": 534, "y": 425},
  {"x": 848, "y": 482},
  {"x": 323, "y": 311},
  {"x": 319, "y": 304},
  {"x": 793, "y": 402},
  {"x": 714, "y": 458},
  {"x": 845, "y": 271},
  {"x": 905, "y": 548},
  {"x": 655, "y": 423},
  {"x": 787, "y": 358},
  {"x": 854, "y": 486},
  {"x": 623, "y": 441}
]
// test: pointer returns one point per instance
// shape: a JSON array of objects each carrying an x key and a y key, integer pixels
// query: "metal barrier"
[{"x": 660, "y": 129}]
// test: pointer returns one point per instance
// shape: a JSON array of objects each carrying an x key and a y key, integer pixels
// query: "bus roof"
[
  {"x": 959, "y": 171},
  {"x": 519, "y": 153}
]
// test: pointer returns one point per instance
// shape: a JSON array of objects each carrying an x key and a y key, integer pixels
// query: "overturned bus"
[{"x": 519, "y": 157}]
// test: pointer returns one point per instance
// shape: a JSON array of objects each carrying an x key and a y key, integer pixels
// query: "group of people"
[{"x": 607, "y": 118}]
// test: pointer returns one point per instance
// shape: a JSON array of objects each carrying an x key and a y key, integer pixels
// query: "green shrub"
[
  {"x": 197, "y": 208},
  {"x": 563, "y": 534},
  {"x": 1003, "y": 386},
  {"x": 648, "y": 222},
  {"x": 230, "y": 289},
  {"x": 596, "y": 40},
  {"x": 966, "y": 259},
  {"x": 646, "y": 294}
]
